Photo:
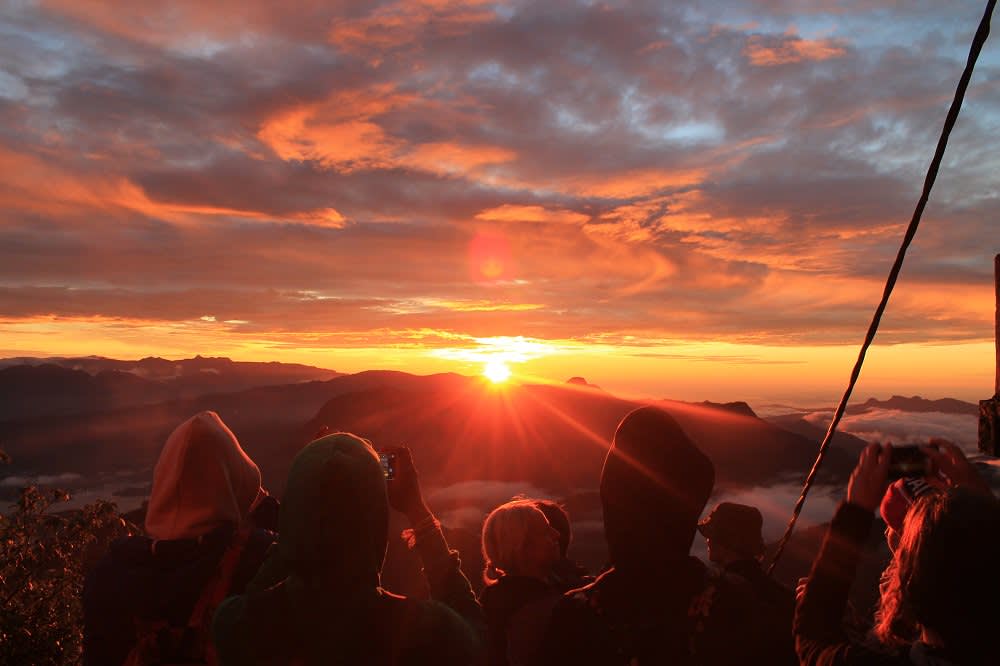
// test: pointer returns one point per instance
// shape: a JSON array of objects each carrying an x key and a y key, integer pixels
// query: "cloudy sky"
[{"x": 687, "y": 199}]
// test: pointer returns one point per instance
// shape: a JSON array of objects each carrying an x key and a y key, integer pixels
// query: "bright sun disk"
[{"x": 496, "y": 371}]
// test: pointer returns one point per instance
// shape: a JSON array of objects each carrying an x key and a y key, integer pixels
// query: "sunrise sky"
[{"x": 696, "y": 200}]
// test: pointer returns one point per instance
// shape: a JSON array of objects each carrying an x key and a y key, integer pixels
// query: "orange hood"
[{"x": 202, "y": 480}]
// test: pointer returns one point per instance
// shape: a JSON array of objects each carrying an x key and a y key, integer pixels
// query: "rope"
[{"x": 977, "y": 45}]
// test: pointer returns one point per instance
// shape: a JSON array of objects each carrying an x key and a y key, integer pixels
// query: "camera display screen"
[{"x": 907, "y": 461}]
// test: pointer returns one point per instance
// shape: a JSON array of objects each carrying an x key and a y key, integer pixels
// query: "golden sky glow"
[{"x": 666, "y": 202}]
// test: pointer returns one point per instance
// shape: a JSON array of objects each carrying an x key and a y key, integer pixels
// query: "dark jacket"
[
  {"x": 820, "y": 636},
  {"x": 774, "y": 608},
  {"x": 569, "y": 575},
  {"x": 132, "y": 582},
  {"x": 513, "y": 606},
  {"x": 317, "y": 599},
  {"x": 683, "y": 613}
]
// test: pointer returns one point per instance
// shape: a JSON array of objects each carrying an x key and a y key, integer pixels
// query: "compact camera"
[{"x": 907, "y": 461}]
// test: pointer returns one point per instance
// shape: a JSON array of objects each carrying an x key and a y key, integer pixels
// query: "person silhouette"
[
  {"x": 318, "y": 598},
  {"x": 151, "y": 598}
]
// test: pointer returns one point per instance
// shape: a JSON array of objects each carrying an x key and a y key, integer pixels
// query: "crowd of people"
[{"x": 224, "y": 575}]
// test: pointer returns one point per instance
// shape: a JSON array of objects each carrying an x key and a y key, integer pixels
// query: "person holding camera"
[
  {"x": 318, "y": 598},
  {"x": 938, "y": 603}
]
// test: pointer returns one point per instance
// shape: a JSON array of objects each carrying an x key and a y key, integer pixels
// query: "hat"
[
  {"x": 735, "y": 526},
  {"x": 899, "y": 497}
]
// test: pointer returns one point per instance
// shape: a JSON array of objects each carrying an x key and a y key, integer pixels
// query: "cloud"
[
  {"x": 907, "y": 427},
  {"x": 466, "y": 504},
  {"x": 790, "y": 49},
  {"x": 514, "y": 213},
  {"x": 641, "y": 170}
]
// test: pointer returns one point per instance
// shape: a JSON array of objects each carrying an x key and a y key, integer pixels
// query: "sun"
[{"x": 496, "y": 371}]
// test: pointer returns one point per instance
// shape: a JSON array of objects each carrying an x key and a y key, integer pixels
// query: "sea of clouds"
[{"x": 901, "y": 427}]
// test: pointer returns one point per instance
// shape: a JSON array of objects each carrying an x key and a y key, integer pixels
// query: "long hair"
[
  {"x": 942, "y": 576},
  {"x": 505, "y": 534}
]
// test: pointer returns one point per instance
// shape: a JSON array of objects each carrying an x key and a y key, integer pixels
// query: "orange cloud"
[
  {"x": 454, "y": 158},
  {"x": 344, "y": 146},
  {"x": 514, "y": 213},
  {"x": 630, "y": 184},
  {"x": 790, "y": 50},
  {"x": 34, "y": 185},
  {"x": 401, "y": 24},
  {"x": 343, "y": 134}
]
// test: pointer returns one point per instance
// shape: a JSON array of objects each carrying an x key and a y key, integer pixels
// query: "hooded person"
[
  {"x": 657, "y": 603},
  {"x": 201, "y": 545},
  {"x": 318, "y": 599}
]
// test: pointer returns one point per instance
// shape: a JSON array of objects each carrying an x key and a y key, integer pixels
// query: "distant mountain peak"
[
  {"x": 580, "y": 381},
  {"x": 738, "y": 407},
  {"x": 918, "y": 404}
]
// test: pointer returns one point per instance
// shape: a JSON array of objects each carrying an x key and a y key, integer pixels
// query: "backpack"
[{"x": 158, "y": 643}]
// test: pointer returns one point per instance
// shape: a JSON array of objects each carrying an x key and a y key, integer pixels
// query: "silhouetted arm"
[
  {"x": 820, "y": 636},
  {"x": 441, "y": 564},
  {"x": 442, "y": 568}
]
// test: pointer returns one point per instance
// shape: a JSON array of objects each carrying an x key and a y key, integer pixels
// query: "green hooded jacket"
[{"x": 317, "y": 598}]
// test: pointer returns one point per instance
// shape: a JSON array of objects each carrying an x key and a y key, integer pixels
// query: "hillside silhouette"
[
  {"x": 459, "y": 428},
  {"x": 555, "y": 436},
  {"x": 31, "y": 387},
  {"x": 917, "y": 404}
]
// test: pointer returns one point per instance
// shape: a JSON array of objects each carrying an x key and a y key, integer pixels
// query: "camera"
[
  {"x": 908, "y": 461},
  {"x": 388, "y": 461}
]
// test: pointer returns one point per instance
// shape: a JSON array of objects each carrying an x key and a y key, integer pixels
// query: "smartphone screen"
[{"x": 388, "y": 465}]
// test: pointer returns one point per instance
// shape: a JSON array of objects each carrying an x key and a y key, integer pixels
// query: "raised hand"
[
  {"x": 404, "y": 489},
  {"x": 870, "y": 477},
  {"x": 950, "y": 462}
]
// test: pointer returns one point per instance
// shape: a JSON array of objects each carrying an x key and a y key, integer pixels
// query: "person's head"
[
  {"x": 896, "y": 503},
  {"x": 556, "y": 514},
  {"x": 518, "y": 540},
  {"x": 334, "y": 516},
  {"x": 202, "y": 480},
  {"x": 942, "y": 579},
  {"x": 654, "y": 485},
  {"x": 733, "y": 533}
]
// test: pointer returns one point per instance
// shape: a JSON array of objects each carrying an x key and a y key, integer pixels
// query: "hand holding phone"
[
  {"x": 404, "y": 487},
  {"x": 949, "y": 463}
]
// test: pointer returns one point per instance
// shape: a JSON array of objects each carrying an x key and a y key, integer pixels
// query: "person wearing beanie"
[
  {"x": 519, "y": 549},
  {"x": 656, "y": 604},
  {"x": 202, "y": 542},
  {"x": 899, "y": 497},
  {"x": 318, "y": 598}
]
